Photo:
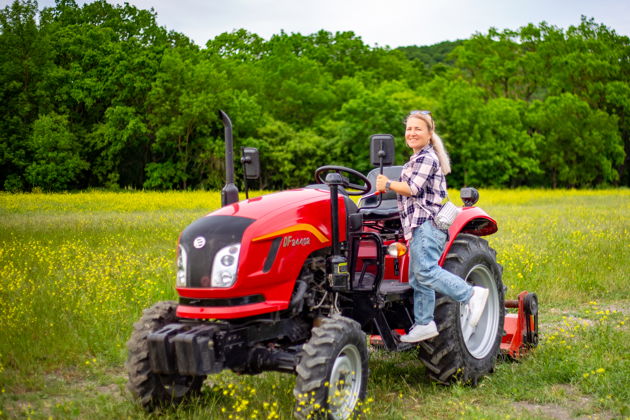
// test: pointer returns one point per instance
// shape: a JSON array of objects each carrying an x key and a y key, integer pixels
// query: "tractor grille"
[{"x": 217, "y": 232}]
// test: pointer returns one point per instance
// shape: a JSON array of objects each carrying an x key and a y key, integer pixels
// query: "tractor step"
[{"x": 377, "y": 342}]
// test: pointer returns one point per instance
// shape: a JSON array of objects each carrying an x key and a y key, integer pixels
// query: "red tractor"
[{"x": 296, "y": 280}]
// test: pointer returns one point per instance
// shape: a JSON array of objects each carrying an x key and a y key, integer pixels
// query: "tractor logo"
[
  {"x": 291, "y": 241},
  {"x": 199, "y": 242}
]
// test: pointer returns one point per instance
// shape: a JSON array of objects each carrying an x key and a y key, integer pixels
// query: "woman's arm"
[{"x": 398, "y": 187}]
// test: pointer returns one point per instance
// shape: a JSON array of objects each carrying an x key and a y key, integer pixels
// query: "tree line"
[{"x": 101, "y": 96}]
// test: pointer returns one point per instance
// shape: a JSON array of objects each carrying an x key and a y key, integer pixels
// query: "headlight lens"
[
  {"x": 182, "y": 263},
  {"x": 225, "y": 265},
  {"x": 397, "y": 249}
]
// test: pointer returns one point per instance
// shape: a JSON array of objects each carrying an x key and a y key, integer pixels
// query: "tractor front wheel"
[
  {"x": 461, "y": 352},
  {"x": 333, "y": 371},
  {"x": 151, "y": 389}
]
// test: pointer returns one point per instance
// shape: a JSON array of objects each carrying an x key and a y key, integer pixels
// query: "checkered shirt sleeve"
[{"x": 428, "y": 188}]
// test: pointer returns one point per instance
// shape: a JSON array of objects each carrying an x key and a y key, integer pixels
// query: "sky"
[{"x": 392, "y": 23}]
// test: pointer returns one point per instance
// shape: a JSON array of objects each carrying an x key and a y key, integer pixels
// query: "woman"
[{"x": 420, "y": 191}]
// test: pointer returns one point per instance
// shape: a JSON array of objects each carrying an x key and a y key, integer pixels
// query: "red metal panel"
[
  {"x": 465, "y": 223},
  {"x": 301, "y": 218}
]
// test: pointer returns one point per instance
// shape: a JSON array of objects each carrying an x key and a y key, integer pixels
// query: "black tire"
[
  {"x": 153, "y": 390},
  {"x": 333, "y": 371},
  {"x": 460, "y": 353}
]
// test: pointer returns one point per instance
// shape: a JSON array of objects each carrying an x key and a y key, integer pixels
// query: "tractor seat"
[
  {"x": 389, "y": 205},
  {"x": 380, "y": 213}
]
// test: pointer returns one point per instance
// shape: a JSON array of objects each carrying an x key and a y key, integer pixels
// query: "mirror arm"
[
  {"x": 245, "y": 160},
  {"x": 381, "y": 156}
]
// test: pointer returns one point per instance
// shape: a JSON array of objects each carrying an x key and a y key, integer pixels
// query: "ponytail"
[{"x": 440, "y": 151}]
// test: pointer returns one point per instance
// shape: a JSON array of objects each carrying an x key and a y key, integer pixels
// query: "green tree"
[
  {"x": 432, "y": 55},
  {"x": 105, "y": 58},
  {"x": 139, "y": 103},
  {"x": 507, "y": 155},
  {"x": 24, "y": 60},
  {"x": 495, "y": 62},
  {"x": 618, "y": 103},
  {"x": 295, "y": 89},
  {"x": 288, "y": 157},
  {"x": 57, "y": 163},
  {"x": 238, "y": 45},
  {"x": 119, "y": 147},
  {"x": 349, "y": 130},
  {"x": 183, "y": 104},
  {"x": 457, "y": 116},
  {"x": 580, "y": 146}
]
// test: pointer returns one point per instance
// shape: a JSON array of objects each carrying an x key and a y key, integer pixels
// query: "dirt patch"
[
  {"x": 622, "y": 306},
  {"x": 63, "y": 387},
  {"x": 574, "y": 404},
  {"x": 548, "y": 411},
  {"x": 570, "y": 316},
  {"x": 112, "y": 389}
]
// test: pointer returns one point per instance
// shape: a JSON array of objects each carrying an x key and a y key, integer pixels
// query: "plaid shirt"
[{"x": 428, "y": 188}]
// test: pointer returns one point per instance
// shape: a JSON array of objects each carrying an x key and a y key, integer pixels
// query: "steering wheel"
[{"x": 362, "y": 189}]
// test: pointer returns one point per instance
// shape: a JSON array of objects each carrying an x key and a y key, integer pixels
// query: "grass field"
[{"x": 76, "y": 270}]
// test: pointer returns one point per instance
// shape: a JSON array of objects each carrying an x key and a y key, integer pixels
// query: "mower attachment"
[{"x": 521, "y": 329}]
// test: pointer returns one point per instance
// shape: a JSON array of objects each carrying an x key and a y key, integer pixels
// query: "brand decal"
[
  {"x": 291, "y": 241},
  {"x": 199, "y": 242},
  {"x": 304, "y": 227}
]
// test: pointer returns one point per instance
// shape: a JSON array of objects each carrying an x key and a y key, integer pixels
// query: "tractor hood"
[
  {"x": 275, "y": 234},
  {"x": 268, "y": 205}
]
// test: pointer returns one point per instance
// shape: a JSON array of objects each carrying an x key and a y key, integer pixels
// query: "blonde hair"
[{"x": 436, "y": 142}]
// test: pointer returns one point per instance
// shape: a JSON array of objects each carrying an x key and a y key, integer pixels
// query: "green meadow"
[{"x": 76, "y": 271}]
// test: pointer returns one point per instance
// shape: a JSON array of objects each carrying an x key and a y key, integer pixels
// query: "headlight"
[
  {"x": 182, "y": 263},
  {"x": 224, "y": 267},
  {"x": 397, "y": 249}
]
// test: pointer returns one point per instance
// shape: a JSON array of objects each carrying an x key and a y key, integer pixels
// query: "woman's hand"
[
  {"x": 381, "y": 180},
  {"x": 398, "y": 187}
]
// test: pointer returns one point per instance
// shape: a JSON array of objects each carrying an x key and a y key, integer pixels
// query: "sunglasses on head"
[{"x": 420, "y": 112}]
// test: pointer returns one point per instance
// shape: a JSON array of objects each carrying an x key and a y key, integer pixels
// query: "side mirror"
[
  {"x": 251, "y": 162},
  {"x": 382, "y": 150}
]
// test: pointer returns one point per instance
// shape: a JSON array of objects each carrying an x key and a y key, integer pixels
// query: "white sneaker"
[
  {"x": 477, "y": 304},
  {"x": 420, "y": 332}
]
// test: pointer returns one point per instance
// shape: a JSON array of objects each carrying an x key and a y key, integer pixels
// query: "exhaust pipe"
[{"x": 229, "y": 193}]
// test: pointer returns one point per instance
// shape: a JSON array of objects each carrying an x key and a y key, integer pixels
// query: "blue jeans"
[{"x": 425, "y": 275}]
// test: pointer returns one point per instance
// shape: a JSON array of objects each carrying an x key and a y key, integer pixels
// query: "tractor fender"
[{"x": 471, "y": 220}]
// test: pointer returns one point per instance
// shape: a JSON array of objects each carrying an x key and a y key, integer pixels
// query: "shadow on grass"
[{"x": 390, "y": 368}]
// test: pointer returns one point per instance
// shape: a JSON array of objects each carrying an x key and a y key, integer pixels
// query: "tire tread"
[{"x": 445, "y": 356}]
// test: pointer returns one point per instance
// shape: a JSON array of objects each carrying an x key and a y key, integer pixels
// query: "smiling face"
[{"x": 417, "y": 133}]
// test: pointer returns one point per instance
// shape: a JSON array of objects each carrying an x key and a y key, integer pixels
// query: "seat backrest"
[{"x": 389, "y": 198}]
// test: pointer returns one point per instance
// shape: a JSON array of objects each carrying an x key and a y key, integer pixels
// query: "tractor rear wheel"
[
  {"x": 333, "y": 370},
  {"x": 461, "y": 352},
  {"x": 151, "y": 389}
]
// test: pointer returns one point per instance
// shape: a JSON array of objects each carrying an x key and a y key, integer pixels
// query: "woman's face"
[{"x": 417, "y": 134}]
